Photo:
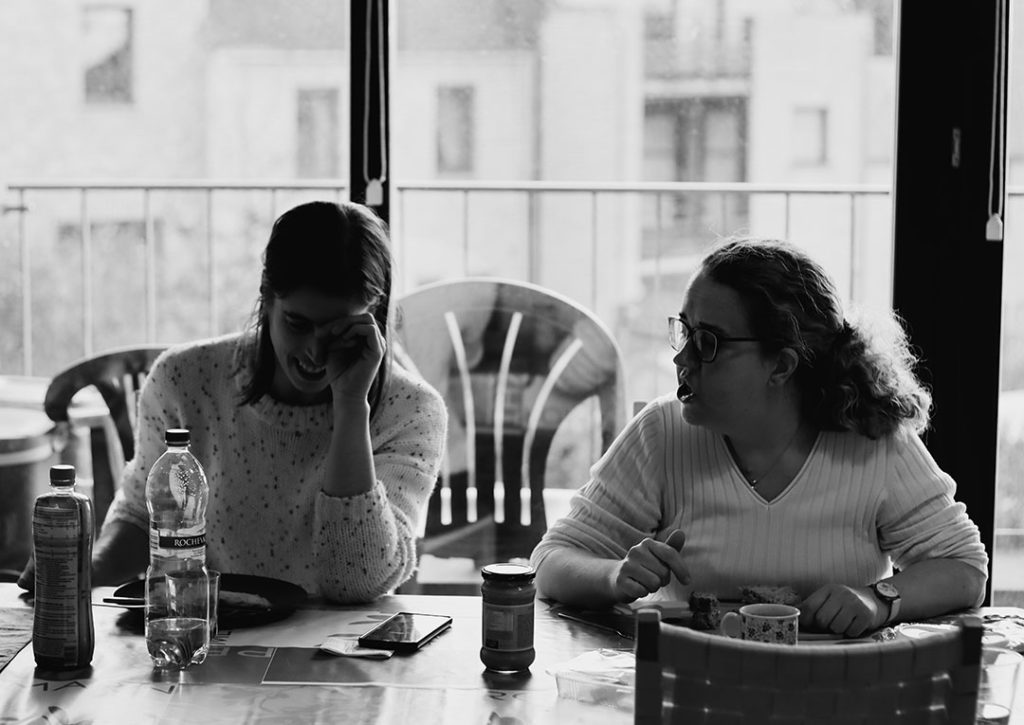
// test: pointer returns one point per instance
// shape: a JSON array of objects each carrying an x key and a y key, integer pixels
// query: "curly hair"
[
  {"x": 340, "y": 250},
  {"x": 852, "y": 376}
]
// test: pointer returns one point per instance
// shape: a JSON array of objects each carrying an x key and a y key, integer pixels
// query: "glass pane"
[
  {"x": 613, "y": 142},
  {"x": 1008, "y": 562},
  {"x": 149, "y": 149}
]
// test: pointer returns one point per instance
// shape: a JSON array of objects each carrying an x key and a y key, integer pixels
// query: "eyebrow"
[{"x": 710, "y": 327}]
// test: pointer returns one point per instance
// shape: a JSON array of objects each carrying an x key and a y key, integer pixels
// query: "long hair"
[
  {"x": 339, "y": 250},
  {"x": 851, "y": 376}
]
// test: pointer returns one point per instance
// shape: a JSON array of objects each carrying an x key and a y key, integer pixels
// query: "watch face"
[{"x": 886, "y": 590}]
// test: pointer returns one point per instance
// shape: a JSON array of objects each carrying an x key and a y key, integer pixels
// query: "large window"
[{"x": 593, "y": 147}]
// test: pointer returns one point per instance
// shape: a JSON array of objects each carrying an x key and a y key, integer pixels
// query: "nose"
[
  {"x": 687, "y": 356},
  {"x": 317, "y": 349}
]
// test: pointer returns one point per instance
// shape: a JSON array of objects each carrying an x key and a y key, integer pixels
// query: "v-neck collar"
[{"x": 741, "y": 480}]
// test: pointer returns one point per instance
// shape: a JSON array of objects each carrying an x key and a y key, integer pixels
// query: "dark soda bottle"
[{"x": 63, "y": 637}]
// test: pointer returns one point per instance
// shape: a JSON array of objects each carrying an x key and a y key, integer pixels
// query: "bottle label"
[
  {"x": 57, "y": 539},
  {"x": 168, "y": 542},
  {"x": 181, "y": 542},
  {"x": 508, "y": 628}
]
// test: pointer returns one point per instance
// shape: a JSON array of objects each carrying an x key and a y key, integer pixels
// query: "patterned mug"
[{"x": 772, "y": 623}]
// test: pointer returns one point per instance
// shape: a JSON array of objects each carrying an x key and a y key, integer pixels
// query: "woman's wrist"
[{"x": 351, "y": 406}]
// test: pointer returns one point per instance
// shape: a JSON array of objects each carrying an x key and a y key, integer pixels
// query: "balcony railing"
[{"x": 623, "y": 249}]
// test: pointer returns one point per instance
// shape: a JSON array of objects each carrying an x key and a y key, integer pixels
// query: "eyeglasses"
[{"x": 704, "y": 341}]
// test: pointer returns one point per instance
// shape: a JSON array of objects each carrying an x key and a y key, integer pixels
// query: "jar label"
[{"x": 508, "y": 628}]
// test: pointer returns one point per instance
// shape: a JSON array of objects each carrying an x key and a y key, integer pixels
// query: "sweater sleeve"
[
  {"x": 919, "y": 518},
  {"x": 621, "y": 504},
  {"x": 365, "y": 545}
]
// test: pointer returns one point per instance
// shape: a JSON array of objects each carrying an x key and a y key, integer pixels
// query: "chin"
[
  {"x": 693, "y": 413},
  {"x": 308, "y": 389}
]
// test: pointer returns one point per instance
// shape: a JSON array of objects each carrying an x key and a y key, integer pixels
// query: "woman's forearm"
[
  {"x": 121, "y": 553},
  {"x": 577, "y": 578},
  {"x": 937, "y": 586},
  {"x": 349, "y": 468}
]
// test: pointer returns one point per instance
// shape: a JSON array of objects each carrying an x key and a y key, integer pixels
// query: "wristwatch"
[{"x": 888, "y": 593}]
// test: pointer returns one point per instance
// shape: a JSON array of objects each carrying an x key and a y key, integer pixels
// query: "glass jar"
[{"x": 508, "y": 593}]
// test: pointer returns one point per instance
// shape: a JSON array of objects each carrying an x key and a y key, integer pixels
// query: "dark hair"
[
  {"x": 340, "y": 250},
  {"x": 849, "y": 377}
]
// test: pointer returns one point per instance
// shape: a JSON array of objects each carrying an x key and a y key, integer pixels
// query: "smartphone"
[{"x": 405, "y": 631}]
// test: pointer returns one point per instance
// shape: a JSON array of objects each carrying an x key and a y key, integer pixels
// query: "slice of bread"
[{"x": 769, "y": 594}]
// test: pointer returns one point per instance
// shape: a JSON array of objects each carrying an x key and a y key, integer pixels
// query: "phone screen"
[{"x": 406, "y": 630}]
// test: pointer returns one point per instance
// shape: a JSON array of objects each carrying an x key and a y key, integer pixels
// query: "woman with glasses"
[
  {"x": 788, "y": 456},
  {"x": 320, "y": 454}
]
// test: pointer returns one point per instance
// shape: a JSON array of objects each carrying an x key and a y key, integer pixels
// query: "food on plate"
[
  {"x": 706, "y": 610},
  {"x": 243, "y": 600},
  {"x": 769, "y": 594}
]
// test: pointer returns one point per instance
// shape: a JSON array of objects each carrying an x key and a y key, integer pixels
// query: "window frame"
[
  {"x": 947, "y": 276},
  {"x": 938, "y": 227}
]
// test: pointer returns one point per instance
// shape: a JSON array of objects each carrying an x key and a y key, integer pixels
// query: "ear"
[{"x": 786, "y": 363}]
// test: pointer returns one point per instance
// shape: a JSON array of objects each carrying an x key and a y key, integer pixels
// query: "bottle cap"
[
  {"x": 176, "y": 437},
  {"x": 508, "y": 572},
  {"x": 62, "y": 474}
]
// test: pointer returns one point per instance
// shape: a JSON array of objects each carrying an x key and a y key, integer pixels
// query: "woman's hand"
[
  {"x": 355, "y": 349},
  {"x": 649, "y": 566},
  {"x": 849, "y": 611}
]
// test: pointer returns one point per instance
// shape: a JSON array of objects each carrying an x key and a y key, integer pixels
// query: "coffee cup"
[{"x": 771, "y": 623}]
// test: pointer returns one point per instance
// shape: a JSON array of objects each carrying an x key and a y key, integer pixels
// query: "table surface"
[{"x": 276, "y": 674}]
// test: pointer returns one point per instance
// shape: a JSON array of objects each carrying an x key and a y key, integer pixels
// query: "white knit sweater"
[
  {"x": 267, "y": 514},
  {"x": 854, "y": 509}
]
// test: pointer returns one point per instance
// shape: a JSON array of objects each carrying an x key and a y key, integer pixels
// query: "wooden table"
[{"x": 272, "y": 682}]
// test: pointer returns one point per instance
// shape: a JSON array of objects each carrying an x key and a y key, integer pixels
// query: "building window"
[
  {"x": 318, "y": 144},
  {"x": 455, "y": 115},
  {"x": 693, "y": 139},
  {"x": 107, "y": 34},
  {"x": 810, "y": 136}
]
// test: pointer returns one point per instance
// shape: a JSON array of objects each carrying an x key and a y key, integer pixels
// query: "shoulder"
[
  {"x": 658, "y": 427},
  {"x": 190, "y": 363},
  {"x": 214, "y": 351},
  {"x": 901, "y": 454},
  {"x": 663, "y": 416},
  {"x": 408, "y": 393}
]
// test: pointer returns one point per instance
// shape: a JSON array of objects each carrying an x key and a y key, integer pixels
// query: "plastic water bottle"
[
  {"x": 176, "y": 496},
  {"x": 63, "y": 637}
]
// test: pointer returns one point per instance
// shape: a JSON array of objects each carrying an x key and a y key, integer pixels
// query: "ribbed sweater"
[
  {"x": 265, "y": 464},
  {"x": 856, "y": 507}
]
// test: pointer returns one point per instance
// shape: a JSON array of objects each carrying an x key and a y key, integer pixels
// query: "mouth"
[
  {"x": 684, "y": 392},
  {"x": 309, "y": 372}
]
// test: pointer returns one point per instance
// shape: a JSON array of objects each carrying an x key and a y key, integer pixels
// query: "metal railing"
[{"x": 31, "y": 199}]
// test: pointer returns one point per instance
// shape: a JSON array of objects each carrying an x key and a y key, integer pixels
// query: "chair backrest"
[
  {"x": 118, "y": 375},
  {"x": 686, "y": 676},
  {"x": 512, "y": 361}
]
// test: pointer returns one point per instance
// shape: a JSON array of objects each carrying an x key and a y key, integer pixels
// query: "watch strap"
[
  {"x": 893, "y": 602},
  {"x": 894, "y": 610}
]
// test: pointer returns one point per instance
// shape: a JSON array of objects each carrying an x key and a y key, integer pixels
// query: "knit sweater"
[
  {"x": 265, "y": 463},
  {"x": 856, "y": 507}
]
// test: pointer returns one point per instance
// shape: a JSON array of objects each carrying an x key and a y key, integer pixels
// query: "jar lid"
[{"x": 508, "y": 572}]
